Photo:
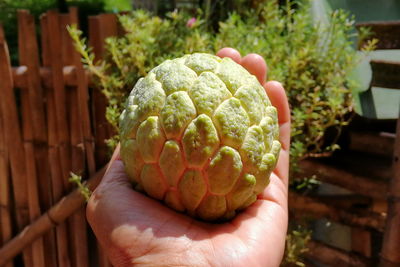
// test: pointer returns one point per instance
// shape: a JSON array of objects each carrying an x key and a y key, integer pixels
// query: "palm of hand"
[{"x": 135, "y": 229}]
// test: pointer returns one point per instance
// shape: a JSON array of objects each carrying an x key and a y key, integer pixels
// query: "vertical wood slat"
[
  {"x": 361, "y": 241},
  {"x": 390, "y": 255},
  {"x": 63, "y": 133},
  {"x": 35, "y": 91},
  {"x": 101, "y": 27},
  {"x": 5, "y": 209},
  {"x": 29, "y": 95},
  {"x": 53, "y": 152},
  {"x": 46, "y": 185},
  {"x": 109, "y": 27},
  {"x": 77, "y": 220},
  {"x": 83, "y": 102},
  {"x": 13, "y": 139}
]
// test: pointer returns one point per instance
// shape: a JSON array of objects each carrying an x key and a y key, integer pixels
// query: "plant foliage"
[{"x": 312, "y": 61}]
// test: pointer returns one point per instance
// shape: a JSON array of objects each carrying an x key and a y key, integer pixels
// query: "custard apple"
[{"x": 199, "y": 133}]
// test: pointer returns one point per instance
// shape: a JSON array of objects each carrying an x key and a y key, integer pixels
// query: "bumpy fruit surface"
[{"x": 200, "y": 134}]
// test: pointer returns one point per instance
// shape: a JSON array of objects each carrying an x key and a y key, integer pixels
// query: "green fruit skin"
[{"x": 200, "y": 134}]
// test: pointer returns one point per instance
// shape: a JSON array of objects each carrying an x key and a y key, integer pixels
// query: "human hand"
[{"x": 137, "y": 230}]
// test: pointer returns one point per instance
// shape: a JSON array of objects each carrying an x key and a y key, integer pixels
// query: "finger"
[
  {"x": 256, "y": 65},
  {"x": 278, "y": 98},
  {"x": 231, "y": 53},
  {"x": 115, "y": 156}
]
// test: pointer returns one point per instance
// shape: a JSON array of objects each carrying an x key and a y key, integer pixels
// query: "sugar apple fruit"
[{"x": 200, "y": 133}]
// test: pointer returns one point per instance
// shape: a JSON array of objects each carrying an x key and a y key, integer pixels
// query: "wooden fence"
[{"x": 52, "y": 122}]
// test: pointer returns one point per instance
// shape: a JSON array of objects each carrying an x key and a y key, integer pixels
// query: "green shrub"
[{"x": 312, "y": 61}]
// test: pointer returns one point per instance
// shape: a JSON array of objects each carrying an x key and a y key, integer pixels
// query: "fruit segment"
[
  {"x": 151, "y": 139},
  {"x": 152, "y": 181},
  {"x": 171, "y": 162},
  {"x": 242, "y": 191},
  {"x": 176, "y": 114},
  {"x": 192, "y": 189},
  {"x": 213, "y": 207},
  {"x": 200, "y": 141},
  {"x": 232, "y": 122},
  {"x": 208, "y": 92},
  {"x": 224, "y": 170},
  {"x": 133, "y": 167}
]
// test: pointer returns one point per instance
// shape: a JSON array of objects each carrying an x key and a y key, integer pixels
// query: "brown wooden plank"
[
  {"x": 5, "y": 189},
  {"x": 355, "y": 183},
  {"x": 99, "y": 103},
  {"x": 362, "y": 140},
  {"x": 334, "y": 257},
  {"x": 83, "y": 102},
  {"x": 31, "y": 175},
  {"x": 57, "y": 184},
  {"x": 98, "y": 31},
  {"x": 385, "y": 74},
  {"x": 67, "y": 48},
  {"x": 361, "y": 241},
  {"x": 14, "y": 140},
  {"x": 45, "y": 40},
  {"x": 387, "y": 32},
  {"x": 63, "y": 133},
  {"x": 391, "y": 243},
  {"x": 310, "y": 207},
  {"x": 109, "y": 27},
  {"x": 78, "y": 220},
  {"x": 34, "y": 129},
  {"x": 56, "y": 172}
]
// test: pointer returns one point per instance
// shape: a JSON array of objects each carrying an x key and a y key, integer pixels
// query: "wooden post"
[
  {"x": 56, "y": 171},
  {"x": 34, "y": 132},
  {"x": 101, "y": 27},
  {"x": 63, "y": 133},
  {"x": 77, "y": 221},
  {"x": 334, "y": 257},
  {"x": 14, "y": 141},
  {"x": 390, "y": 255},
  {"x": 361, "y": 241},
  {"x": 5, "y": 212}
]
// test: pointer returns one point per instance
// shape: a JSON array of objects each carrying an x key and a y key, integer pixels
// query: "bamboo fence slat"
[
  {"x": 28, "y": 141},
  {"x": 13, "y": 139},
  {"x": 87, "y": 141},
  {"x": 59, "y": 94},
  {"x": 101, "y": 27},
  {"x": 83, "y": 102},
  {"x": 35, "y": 116},
  {"x": 56, "y": 173},
  {"x": 5, "y": 208},
  {"x": 390, "y": 255},
  {"x": 77, "y": 222},
  {"x": 98, "y": 32}
]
